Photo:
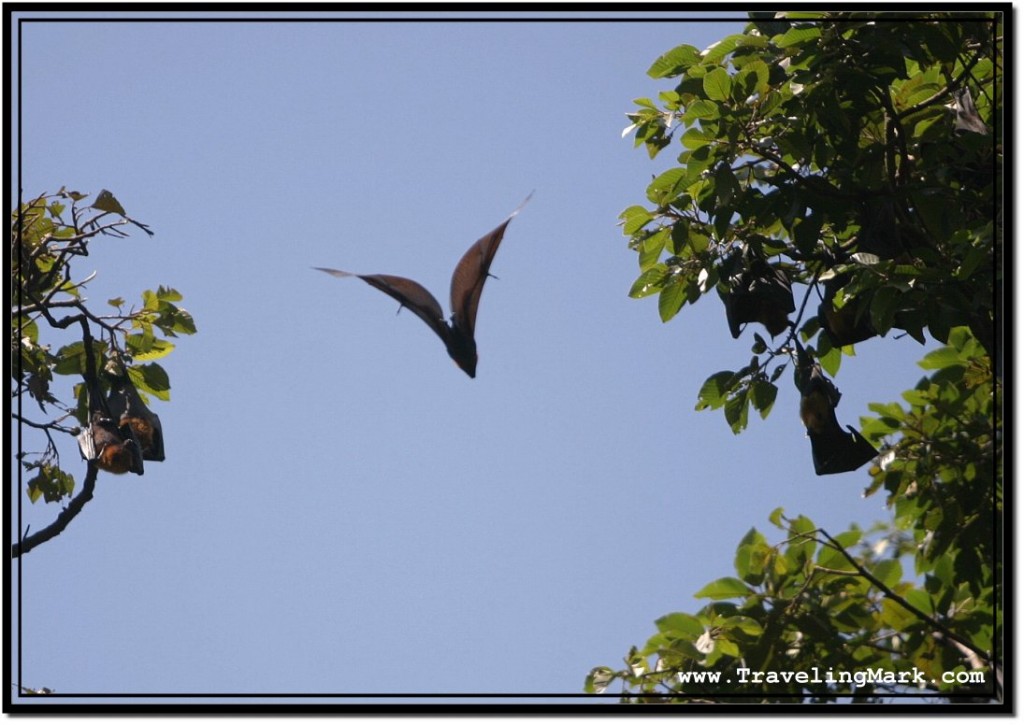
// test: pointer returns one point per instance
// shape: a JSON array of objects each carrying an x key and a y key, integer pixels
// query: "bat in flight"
[
  {"x": 833, "y": 449},
  {"x": 467, "y": 283}
]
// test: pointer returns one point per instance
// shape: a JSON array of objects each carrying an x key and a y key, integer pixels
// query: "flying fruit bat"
[
  {"x": 107, "y": 441},
  {"x": 126, "y": 406},
  {"x": 758, "y": 293},
  {"x": 467, "y": 283},
  {"x": 833, "y": 449}
]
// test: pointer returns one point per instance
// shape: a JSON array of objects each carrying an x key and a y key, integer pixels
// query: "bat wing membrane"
[
  {"x": 471, "y": 273},
  {"x": 409, "y": 293}
]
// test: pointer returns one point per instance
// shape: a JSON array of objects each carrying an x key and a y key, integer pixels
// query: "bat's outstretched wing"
[
  {"x": 409, "y": 294},
  {"x": 470, "y": 274}
]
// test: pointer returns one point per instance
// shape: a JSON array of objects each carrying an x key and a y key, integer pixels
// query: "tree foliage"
[
  {"x": 48, "y": 234},
  {"x": 857, "y": 161}
]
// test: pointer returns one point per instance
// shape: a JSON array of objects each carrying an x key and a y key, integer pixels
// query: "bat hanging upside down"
[
  {"x": 467, "y": 283},
  {"x": 111, "y": 446},
  {"x": 122, "y": 431},
  {"x": 833, "y": 449}
]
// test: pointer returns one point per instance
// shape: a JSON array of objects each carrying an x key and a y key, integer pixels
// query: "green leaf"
[
  {"x": 634, "y": 219},
  {"x": 943, "y": 357},
  {"x": 727, "y": 647},
  {"x": 831, "y": 558},
  {"x": 652, "y": 247},
  {"x": 759, "y": 70},
  {"x": 695, "y": 138},
  {"x": 763, "y": 396},
  {"x": 724, "y": 588},
  {"x": 751, "y": 561},
  {"x": 801, "y": 525},
  {"x": 717, "y": 85},
  {"x": 747, "y": 625},
  {"x": 105, "y": 201},
  {"x": 168, "y": 294},
  {"x": 674, "y": 62},
  {"x": 888, "y": 571},
  {"x": 897, "y": 617},
  {"x": 884, "y": 305},
  {"x": 831, "y": 360},
  {"x": 736, "y": 409},
  {"x": 649, "y": 282},
  {"x": 919, "y": 598},
  {"x": 668, "y": 185},
  {"x": 153, "y": 350},
  {"x": 680, "y": 623},
  {"x": 598, "y": 680},
  {"x": 700, "y": 109},
  {"x": 798, "y": 34},
  {"x": 672, "y": 297},
  {"x": 151, "y": 378},
  {"x": 715, "y": 390}
]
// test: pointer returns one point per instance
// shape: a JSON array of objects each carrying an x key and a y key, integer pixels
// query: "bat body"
[
  {"x": 126, "y": 406},
  {"x": 759, "y": 293},
  {"x": 833, "y": 449},
  {"x": 106, "y": 441},
  {"x": 843, "y": 325},
  {"x": 113, "y": 448},
  {"x": 467, "y": 284}
]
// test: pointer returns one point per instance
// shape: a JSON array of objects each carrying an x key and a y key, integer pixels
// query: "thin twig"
[{"x": 893, "y": 596}]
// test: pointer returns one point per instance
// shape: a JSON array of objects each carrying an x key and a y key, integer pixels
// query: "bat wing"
[
  {"x": 409, "y": 294},
  {"x": 839, "y": 451},
  {"x": 470, "y": 274},
  {"x": 86, "y": 445}
]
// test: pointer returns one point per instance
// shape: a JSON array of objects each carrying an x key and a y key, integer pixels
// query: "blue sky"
[{"x": 342, "y": 510}]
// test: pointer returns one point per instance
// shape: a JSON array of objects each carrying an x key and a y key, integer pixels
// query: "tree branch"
[
  {"x": 28, "y": 543},
  {"x": 63, "y": 519},
  {"x": 890, "y": 594}
]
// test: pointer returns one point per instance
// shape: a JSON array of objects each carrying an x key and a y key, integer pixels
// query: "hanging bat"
[
  {"x": 126, "y": 406},
  {"x": 107, "y": 441},
  {"x": 967, "y": 116},
  {"x": 843, "y": 326},
  {"x": 758, "y": 293},
  {"x": 467, "y": 283},
  {"x": 833, "y": 449}
]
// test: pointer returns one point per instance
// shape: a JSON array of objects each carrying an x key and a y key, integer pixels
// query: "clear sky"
[{"x": 342, "y": 510}]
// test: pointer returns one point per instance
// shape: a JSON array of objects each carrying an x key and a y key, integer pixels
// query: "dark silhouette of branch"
[
  {"x": 61, "y": 522},
  {"x": 28, "y": 543},
  {"x": 890, "y": 594}
]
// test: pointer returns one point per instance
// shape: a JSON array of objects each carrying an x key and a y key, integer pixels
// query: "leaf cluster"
[
  {"x": 861, "y": 157},
  {"x": 838, "y": 149},
  {"x": 813, "y": 619}
]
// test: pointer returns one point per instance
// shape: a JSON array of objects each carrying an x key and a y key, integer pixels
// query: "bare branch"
[{"x": 28, "y": 543}]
